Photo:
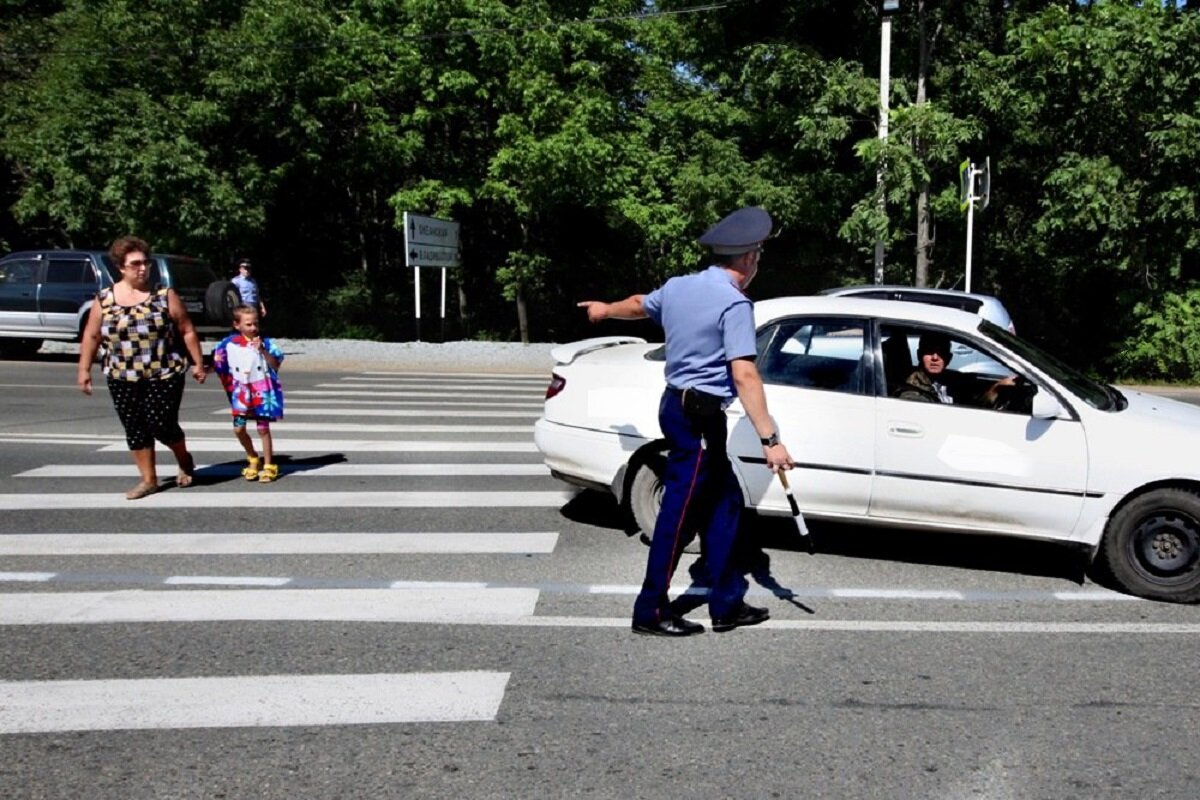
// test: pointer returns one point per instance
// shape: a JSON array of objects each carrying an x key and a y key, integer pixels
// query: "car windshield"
[{"x": 1096, "y": 395}]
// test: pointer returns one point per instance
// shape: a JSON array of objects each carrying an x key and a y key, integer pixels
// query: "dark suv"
[{"x": 47, "y": 294}]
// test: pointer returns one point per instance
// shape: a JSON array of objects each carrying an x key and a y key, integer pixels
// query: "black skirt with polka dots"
[{"x": 148, "y": 410}]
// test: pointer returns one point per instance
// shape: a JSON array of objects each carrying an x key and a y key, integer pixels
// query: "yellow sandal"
[
  {"x": 270, "y": 472},
  {"x": 250, "y": 473}
]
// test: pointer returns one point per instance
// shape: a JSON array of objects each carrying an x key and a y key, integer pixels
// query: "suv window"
[
  {"x": 19, "y": 272},
  {"x": 74, "y": 272},
  {"x": 970, "y": 304},
  {"x": 184, "y": 273}
]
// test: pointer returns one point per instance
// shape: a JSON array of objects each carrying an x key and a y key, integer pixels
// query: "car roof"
[{"x": 896, "y": 310}]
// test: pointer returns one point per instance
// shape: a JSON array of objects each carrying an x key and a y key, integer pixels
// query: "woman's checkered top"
[{"x": 139, "y": 340}]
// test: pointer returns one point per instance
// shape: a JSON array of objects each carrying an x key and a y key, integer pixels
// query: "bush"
[{"x": 1166, "y": 343}]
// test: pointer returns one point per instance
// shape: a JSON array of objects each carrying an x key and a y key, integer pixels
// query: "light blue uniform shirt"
[
  {"x": 247, "y": 288},
  {"x": 708, "y": 323}
]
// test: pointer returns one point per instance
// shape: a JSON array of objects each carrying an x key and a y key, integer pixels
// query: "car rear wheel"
[
  {"x": 1152, "y": 546},
  {"x": 219, "y": 301},
  {"x": 643, "y": 498}
]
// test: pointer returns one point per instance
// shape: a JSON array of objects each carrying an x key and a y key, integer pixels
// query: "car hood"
[
  {"x": 1153, "y": 409},
  {"x": 1154, "y": 438}
]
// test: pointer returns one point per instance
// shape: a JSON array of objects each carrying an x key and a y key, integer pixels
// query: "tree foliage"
[{"x": 584, "y": 144}]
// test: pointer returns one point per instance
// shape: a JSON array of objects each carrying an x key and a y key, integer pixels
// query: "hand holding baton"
[{"x": 801, "y": 527}]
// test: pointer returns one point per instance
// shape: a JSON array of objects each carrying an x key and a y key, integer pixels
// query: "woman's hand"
[
  {"x": 199, "y": 373},
  {"x": 84, "y": 381}
]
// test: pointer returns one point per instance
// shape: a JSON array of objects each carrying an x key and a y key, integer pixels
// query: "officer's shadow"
[{"x": 749, "y": 557}]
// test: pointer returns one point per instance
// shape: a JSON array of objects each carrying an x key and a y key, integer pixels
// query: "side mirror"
[{"x": 1046, "y": 406}]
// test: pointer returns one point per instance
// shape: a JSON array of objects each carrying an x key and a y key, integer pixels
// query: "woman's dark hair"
[{"x": 126, "y": 245}]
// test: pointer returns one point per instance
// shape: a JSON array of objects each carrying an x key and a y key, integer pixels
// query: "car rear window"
[{"x": 193, "y": 274}]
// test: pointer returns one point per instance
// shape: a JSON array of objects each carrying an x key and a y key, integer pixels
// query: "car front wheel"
[
  {"x": 644, "y": 496},
  {"x": 1152, "y": 546}
]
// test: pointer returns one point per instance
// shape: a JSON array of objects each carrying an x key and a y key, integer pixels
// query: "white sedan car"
[{"x": 1057, "y": 456}]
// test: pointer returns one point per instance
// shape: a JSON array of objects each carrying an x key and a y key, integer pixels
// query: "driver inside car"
[{"x": 932, "y": 382}]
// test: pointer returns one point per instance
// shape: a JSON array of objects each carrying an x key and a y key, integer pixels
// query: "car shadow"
[{"x": 944, "y": 549}]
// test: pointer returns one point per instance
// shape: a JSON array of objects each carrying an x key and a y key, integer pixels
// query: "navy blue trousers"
[{"x": 700, "y": 494}]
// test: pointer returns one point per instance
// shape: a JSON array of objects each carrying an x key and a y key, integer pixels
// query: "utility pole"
[{"x": 886, "y": 9}]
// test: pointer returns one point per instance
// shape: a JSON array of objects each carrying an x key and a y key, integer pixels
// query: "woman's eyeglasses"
[{"x": 138, "y": 262}]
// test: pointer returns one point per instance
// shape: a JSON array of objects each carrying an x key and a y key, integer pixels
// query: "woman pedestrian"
[{"x": 141, "y": 326}]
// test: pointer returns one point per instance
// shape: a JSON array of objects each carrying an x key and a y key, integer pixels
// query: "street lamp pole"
[{"x": 886, "y": 9}]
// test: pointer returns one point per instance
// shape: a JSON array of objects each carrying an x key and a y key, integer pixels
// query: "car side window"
[
  {"x": 70, "y": 271},
  {"x": 19, "y": 273},
  {"x": 967, "y": 376},
  {"x": 813, "y": 353}
]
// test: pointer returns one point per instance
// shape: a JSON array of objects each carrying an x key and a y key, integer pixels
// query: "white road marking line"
[
  {"x": 422, "y": 413},
  {"x": 249, "y": 701},
  {"x": 128, "y": 470},
  {"x": 286, "y": 444},
  {"x": 899, "y": 594},
  {"x": 230, "y": 580},
  {"x": 1093, "y": 594},
  {"x": 332, "y": 399},
  {"x": 26, "y": 577},
  {"x": 70, "y": 544},
  {"x": 354, "y": 427},
  {"x": 468, "y": 606},
  {"x": 431, "y": 399},
  {"x": 270, "y": 498},
  {"x": 459, "y": 377},
  {"x": 901, "y": 626},
  {"x": 441, "y": 384},
  {"x": 446, "y": 606},
  {"x": 394, "y": 391}
]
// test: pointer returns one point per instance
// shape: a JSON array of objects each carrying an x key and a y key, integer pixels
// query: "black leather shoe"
[
  {"x": 746, "y": 615},
  {"x": 668, "y": 626}
]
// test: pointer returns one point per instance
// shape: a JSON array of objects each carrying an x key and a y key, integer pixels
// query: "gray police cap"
[{"x": 740, "y": 232}]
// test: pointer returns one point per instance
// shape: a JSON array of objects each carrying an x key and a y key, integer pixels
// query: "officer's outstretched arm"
[
  {"x": 749, "y": 387},
  {"x": 629, "y": 308}
]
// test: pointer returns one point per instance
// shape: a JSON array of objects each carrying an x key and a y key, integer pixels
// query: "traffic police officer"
[{"x": 709, "y": 325}]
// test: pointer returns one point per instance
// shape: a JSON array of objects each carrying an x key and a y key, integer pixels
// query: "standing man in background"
[
  {"x": 248, "y": 287},
  {"x": 711, "y": 347}
]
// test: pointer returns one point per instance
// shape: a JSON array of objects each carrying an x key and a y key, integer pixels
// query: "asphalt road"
[{"x": 416, "y": 609}]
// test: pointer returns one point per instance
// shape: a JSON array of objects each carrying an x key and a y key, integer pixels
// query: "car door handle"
[{"x": 907, "y": 429}]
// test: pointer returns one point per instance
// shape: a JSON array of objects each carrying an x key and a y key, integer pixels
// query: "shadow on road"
[{"x": 962, "y": 550}]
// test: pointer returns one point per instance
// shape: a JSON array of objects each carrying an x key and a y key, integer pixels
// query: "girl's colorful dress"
[{"x": 253, "y": 387}]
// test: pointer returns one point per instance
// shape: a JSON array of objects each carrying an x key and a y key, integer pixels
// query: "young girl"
[{"x": 247, "y": 365}]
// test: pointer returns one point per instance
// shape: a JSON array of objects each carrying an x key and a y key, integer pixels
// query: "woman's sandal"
[
  {"x": 250, "y": 473},
  {"x": 141, "y": 490},
  {"x": 187, "y": 473},
  {"x": 270, "y": 472}
]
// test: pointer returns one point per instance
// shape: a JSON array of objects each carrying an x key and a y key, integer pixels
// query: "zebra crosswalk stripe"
[
  {"x": 249, "y": 701},
  {"x": 269, "y": 498},
  {"x": 111, "y": 543}
]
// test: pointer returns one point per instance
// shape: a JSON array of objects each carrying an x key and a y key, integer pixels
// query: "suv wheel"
[{"x": 219, "y": 300}]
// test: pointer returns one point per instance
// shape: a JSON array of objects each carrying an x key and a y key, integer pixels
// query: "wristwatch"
[{"x": 771, "y": 440}]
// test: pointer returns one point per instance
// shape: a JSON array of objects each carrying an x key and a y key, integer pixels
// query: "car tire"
[
  {"x": 19, "y": 348},
  {"x": 1151, "y": 546},
  {"x": 219, "y": 301},
  {"x": 643, "y": 498}
]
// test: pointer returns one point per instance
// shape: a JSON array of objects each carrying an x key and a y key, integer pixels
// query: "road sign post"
[{"x": 430, "y": 242}]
